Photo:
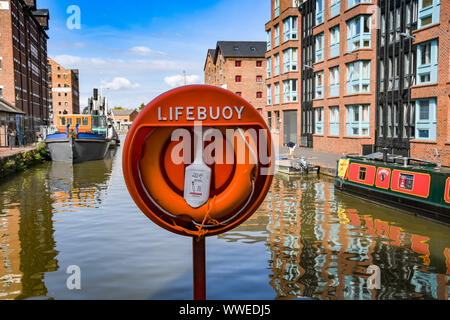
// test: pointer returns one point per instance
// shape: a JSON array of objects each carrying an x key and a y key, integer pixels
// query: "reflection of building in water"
[
  {"x": 27, "y": 236},
  {"x": 322, "y": 246},
  {"x": 10, "y": 274}
]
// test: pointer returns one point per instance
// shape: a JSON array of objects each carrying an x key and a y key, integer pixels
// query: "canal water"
[{"x": 307, "y": 241}]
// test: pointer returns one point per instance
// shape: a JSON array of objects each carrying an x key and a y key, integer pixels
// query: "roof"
[
  {"x": 123, "y": 112},
  {"x": 241, "y": 49},
  {"x": 7, "y": 107}
]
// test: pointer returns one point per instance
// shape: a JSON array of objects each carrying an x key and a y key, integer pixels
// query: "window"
[
  {"x": 334, "y": 121},
  {"x": 277, "y": 35},
  {"x": 290, "y": 58},
  {"x": 239, "y": 94},
  {"x": 238, "y": 78},
  {"x": 318, "y": 113},
  {"x": 362, "y": 174},
  {"x": 277, "y": 93},
  {"x": 334, "y": 81},
  {"x": 237, "y": 64},
  {"x": 85, "y": 121},
  {"x": 427, "y": 62},
  {"x": 259, "y": 78},
  {"x": 1, "y": 63},
  {"x": 269, "y": 120},
  {"x": 318, "y": 77},
  {"x": 290, "y": 90},
  {"x": 429, "y": 12},
  {"x": 319, "y": 47},
  {"x": 277, "y": 64},
  {"x": 269, "y": 39},
  {"x": 334, "y": 42},
  {"x": 319, "y": 12},
  {"x": 352, "y": 3},
  {"x": 358, "y": 77},
  {"x": 335, "y": 7},
  {"x": 357, "y": 124},
  {"x": 277, "y": 8},
  {"x": 426, "y": 119},
  {"x": 1, "y": 91},
  {"x": 290, "y": 29},
  {"x": 269, "y": 67},
  {"x": 269, "y": 94},
  {"x": 259, "y": 64},
  {"x": 406, "y": 182},
  {"x": 359, "y": 33}
]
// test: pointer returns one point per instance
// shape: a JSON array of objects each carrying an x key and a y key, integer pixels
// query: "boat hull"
[
  {"x": 77, "y": 150},
  {"x": 418, "y": 208}
]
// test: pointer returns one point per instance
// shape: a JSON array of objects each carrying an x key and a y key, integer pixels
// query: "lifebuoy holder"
[{"x": 156, "y": 182}]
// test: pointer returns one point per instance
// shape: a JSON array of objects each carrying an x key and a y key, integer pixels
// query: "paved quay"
[
  {"x": 327, "y": 161},
  {"x": 7, "y": 152}
]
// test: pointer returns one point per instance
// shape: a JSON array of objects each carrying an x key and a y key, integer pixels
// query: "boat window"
[
  {"x": 362, "y": 173},
  {"x": 406, "y": 181},
  {"x": 63, "y": 121},
  {"x": 85, "y": 121},
  {"x": 69, "y": 121},
  {"x": 79, "y": 121}
]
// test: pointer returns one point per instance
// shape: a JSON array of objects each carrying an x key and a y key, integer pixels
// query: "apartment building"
[
  {"x": 23, "y": 68},
  {"x": 64, "y": 96},
  {"x": 283, "y": 71},
  {"x": 240, "y": 67},
  {"x": 339, "y": 48},
  {"x": 413, "y": 111}
]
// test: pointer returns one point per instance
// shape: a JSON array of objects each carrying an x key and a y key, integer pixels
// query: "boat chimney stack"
[{"x": 385, "y": 154}]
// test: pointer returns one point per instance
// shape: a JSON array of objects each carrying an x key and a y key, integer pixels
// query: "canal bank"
[
  {"x": 19, "y": 159},
  {"x": 326, "y": 161}
]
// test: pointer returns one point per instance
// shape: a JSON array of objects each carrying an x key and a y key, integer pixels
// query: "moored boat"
[
  {"x": 79, "y": 138},
  {"x": 415, "y": 186}
]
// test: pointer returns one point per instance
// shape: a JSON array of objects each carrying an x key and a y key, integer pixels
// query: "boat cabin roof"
[{"x": 397, "y": 160}]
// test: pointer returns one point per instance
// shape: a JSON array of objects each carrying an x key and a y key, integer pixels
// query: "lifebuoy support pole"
[{"x": 199, "y": 267}]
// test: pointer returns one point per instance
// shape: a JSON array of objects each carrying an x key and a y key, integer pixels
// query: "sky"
[{"x": 136, "y": 50}]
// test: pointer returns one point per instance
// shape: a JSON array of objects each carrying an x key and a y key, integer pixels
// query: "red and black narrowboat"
[{"x": 415, "y": 186}]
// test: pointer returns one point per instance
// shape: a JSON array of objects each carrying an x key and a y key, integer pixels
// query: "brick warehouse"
[
  {"x": 240, "y": 67},
  {"x": 64, "y": 92},
  {"x": 357, "y": 94},
  {"x": 283, "y": 72},
  {"x": 23, "y": 73}
]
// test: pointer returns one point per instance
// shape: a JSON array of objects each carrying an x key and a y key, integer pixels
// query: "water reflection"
[
  {"x": 321, "y": 243},
  {"x": 28, "y": 202}
]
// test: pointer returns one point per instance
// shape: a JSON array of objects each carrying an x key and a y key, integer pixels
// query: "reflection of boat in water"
[
  {"x": 80, "y": 185},
  {"x": 79, "y": 138},
  {"x": 413, "y": 185}
]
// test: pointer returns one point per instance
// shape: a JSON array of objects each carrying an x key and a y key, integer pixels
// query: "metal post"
[{"x": 199, "y": 268}]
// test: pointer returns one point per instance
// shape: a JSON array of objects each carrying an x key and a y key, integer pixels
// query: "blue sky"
[{"x": 139, "y": 49}]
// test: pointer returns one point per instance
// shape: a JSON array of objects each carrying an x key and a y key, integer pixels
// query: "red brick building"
[
  {"x": 367, "y": 75},
  {"x": 23, "y": 70},
  {"x": 64, "y": 96},
  {"x": 283, "y": 84},
  {"x": 431, "y": 90},
  {"x": 240, "y": 67}
]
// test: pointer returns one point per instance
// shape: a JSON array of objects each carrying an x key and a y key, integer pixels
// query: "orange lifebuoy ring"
[{"x": 233, "y": 197}]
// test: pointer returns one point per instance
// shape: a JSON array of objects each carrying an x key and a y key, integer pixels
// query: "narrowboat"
[
  {"x": 79, "y": 138},
  {"x": 415, "y": 186}
]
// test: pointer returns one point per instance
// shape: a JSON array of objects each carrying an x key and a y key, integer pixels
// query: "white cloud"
[
  {"x": 119, "y": 83},
  {"x": 145, "y": 52},
  {"x": 179, "y": 80}
]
